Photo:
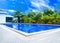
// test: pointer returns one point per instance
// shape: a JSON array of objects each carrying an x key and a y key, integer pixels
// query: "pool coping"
[
  {"x": 31, "y": 23},
  {"x": 30, "y": 34}
]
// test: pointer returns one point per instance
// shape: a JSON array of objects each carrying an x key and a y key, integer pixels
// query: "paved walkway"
[{"x": 12, "y": 37}]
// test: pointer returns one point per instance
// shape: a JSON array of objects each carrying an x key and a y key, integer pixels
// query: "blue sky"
[{"x": 26, "y": 5}]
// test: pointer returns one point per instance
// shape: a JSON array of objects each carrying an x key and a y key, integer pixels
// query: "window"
[{"x": 9, "y": 19}]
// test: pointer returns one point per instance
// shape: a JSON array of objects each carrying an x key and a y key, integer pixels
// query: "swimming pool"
[{"x": 31, "y": 28}]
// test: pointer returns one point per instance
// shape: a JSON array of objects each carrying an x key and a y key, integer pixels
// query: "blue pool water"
[{"x": 30, "y": 28}]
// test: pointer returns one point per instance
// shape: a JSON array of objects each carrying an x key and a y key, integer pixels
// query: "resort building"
[{"x": 4, "y": 17}]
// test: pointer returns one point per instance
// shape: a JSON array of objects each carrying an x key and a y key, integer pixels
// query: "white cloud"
[
  {"x": 11, "y": 11},
  {"x": 40, "y": 3}
]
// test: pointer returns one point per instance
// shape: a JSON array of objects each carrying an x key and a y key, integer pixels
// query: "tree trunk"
[{"x": 18, "y": 19}]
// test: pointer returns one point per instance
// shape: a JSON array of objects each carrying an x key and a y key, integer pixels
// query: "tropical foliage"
[{"x": 45, "y": 17}]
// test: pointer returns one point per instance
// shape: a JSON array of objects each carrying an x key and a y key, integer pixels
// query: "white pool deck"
[{"x": 9, "y": 36}]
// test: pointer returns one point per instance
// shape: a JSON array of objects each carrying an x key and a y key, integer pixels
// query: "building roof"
[
  {"x": 3, "y": 12},
  {"x": 5, "y": 15}
]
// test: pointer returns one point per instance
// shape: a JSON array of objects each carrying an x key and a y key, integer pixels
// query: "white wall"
[{"x": 3, "y": 18}]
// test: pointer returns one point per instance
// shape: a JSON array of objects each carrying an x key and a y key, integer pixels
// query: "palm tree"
[
  {"x": 17, "y": 15},
  {"x": 24, "y": 18},
  {"x": 38, "y": 17},
  {"x": 31, "y": 16},
  {"x": 48, "y": 12}
]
